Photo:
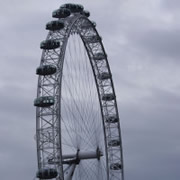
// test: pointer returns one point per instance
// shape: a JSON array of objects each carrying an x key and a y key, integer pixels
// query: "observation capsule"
[
  {"x": 74, "y": 8},
  {"x": 46, "y": 70},
  {"x": 61, "y": 13},
  {"x": 115, "y": 166},
  {"x": 104, "y": 76},
  {"x": 93, "y": 39},
  {"x": 44, "y": 101},
  {"x": 49, "y": 44},
  {"x": 85, "y": 13},
  {"x": 54, "y": 25},
  {"x": 108, "y": 97},
  {"x": 114, "y": 142},
  {"x": 99, "y": 56},
  {"x": 47, "y": 173},
  {"x": 93, "y": 23},
  {"x": 112, "y": 119}
]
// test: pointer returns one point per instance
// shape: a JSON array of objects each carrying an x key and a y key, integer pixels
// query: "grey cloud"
[
  {"x": 149, "y": 131},
  {"x": 147, "y": 85},
  {"x": 159, "y": 42},
  {"x": 171, "y": 4},
  {"x": 167, "y": 99}
]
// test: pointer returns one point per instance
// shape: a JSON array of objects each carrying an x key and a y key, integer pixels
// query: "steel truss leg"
[{"x": 69, "y": 171}]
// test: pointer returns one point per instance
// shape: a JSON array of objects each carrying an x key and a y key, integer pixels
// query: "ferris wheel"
[{"x": 77, "y": 123}]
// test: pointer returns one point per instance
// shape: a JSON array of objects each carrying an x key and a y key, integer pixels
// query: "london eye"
[{"x": 78, "y": 132}]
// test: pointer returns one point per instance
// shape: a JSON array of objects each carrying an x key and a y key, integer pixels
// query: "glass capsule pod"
[
  {"x": 61, "y": 13},
  {"x": 85, "y": 13},
  {"x": 104, "y": 76},
  {"x": 74, "y": 8},
  {"x": 114, "y": 143},
  {"x": 47, "y": 173},
  {"x": 112, "y": 119},
  {"x": 99, "y": 56},
  {"x": 115, "y": 166},
  {"x": 54, "y": 25},
  {"x": 93, "y": 23},
  {"x": 108, "y": 97},
  {"x": 49, "y": 44},
  {"x": 46, "y": 70},
  {"x": 44, "y": 101}
]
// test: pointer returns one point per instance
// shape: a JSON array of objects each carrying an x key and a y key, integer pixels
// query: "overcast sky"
[{"x": 142, "y": 40}]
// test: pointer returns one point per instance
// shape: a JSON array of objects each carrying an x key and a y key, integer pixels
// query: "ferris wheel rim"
[{"x": 62, "y": 54}]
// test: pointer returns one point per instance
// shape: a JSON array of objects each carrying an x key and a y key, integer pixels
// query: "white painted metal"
[
  {"x": 83, "y": 155},
  {"x": 50, "y": 140},
  {"x": 68, "y": 172}
]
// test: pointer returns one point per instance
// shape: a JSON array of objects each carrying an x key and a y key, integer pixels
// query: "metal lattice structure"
[{"x": 77, "y": 122}]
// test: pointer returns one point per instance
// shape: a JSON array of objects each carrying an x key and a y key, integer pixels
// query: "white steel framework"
[{"x": 79, "y": 135}]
